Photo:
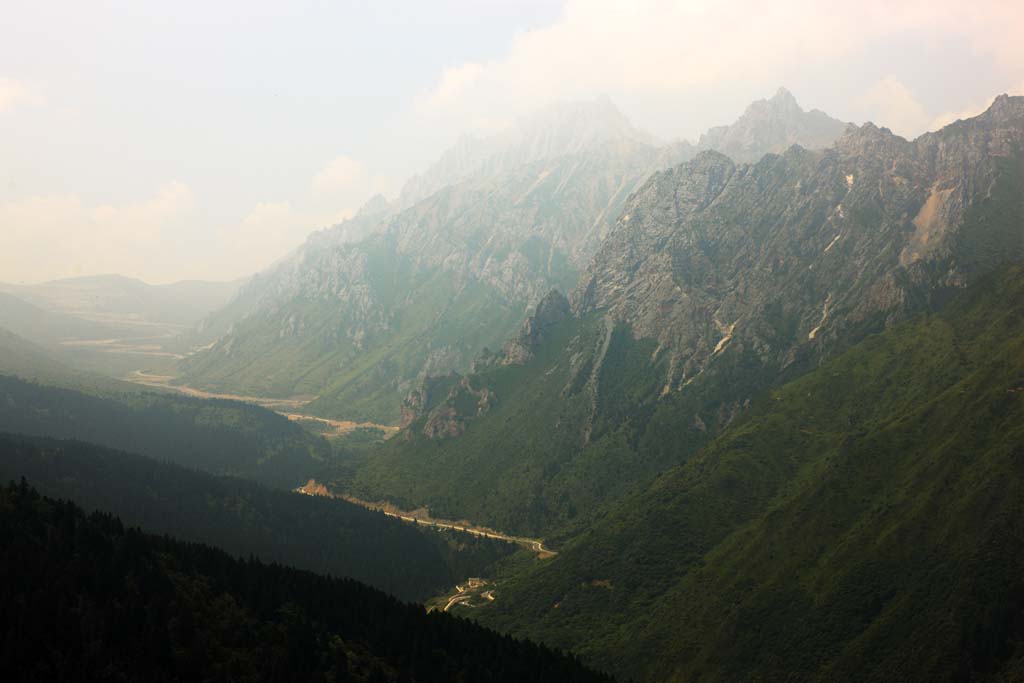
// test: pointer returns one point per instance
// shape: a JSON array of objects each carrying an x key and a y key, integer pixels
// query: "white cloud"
[
  {"x": 348, "y": 183},
  {"x": 898, "y": 108},
  {"x": 948, "y": 117},
  {"x": 454, "y": 82},
  {"x": 15, "y": 93},
  {"x": 647, "y": 46},
  {"x": 895, "y": 107},
  {"x": 658, "y": 48},
  {"x": 52, "y": 236},
  {"x": 269, "y": 231},
  {"x": 162, "y": 238},
  {"x": 342, "y": 215},
  {"x": 341, "y": 174}
]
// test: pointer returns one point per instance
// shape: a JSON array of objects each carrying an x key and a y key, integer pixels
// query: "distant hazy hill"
[
  {"x": 222, "y": 437},
  {"x": 118, "y": 298},
  {"x": 20, "y": 357},
  {"x": 49, "y": 327},
  {"x": 555, "y": 131}
]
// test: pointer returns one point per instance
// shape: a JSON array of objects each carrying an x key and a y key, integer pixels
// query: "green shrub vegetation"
[
  {"x": 223, "y": 437},
  {"x": 861, "y": 523}
]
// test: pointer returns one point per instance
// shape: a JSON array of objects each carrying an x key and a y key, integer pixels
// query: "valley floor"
[{"x": 284, "y": 406}]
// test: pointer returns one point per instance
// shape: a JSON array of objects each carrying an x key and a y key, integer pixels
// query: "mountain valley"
[{"x": 575, "y": 404}]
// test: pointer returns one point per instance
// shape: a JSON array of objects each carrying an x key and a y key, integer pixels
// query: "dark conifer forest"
[{"x": 86, "y": 598}]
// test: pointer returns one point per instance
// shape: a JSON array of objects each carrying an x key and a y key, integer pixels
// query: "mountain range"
[
  {"x": 748, "y": 408},
  {"x": 453, "y": 267},
  {"x": 119, "y": 299},
  {"x": 718, "y": 282}
]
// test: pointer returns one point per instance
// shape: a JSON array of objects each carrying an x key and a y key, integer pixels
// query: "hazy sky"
[{"x": 173, "y": 140}]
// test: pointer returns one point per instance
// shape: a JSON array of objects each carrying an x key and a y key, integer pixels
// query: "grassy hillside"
[
  {"x": 862, "y": 523},
  {"x": 51, "y": 367},
  {"x": 87, "y": 599},
  {"x": 358, "y": 381},
  {"x": 51, "y": 327},
  {"x": 110, "y": 347},
  {"x": 328, "y": 536},
  {"x": 223, "y": 437}
]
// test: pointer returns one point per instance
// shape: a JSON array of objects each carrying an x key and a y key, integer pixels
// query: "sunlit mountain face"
[{"x": 512, "y": 342}]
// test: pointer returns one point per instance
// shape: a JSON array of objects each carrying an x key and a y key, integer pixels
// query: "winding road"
[{"x": 314, "y": 488}]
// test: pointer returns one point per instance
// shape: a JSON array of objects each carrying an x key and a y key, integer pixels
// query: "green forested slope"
[
  {"x": 84, "y": 598},
  {"x": 51, "y": 327},
  {"x": 22, "y": 358},
  {"x": 244, "y": 518},
  {"x": 223, "y": 437},
  {"x": 578, "y": 425},
  {"x": 863, "y": 523},
  {"x": 543, "y": 454},
  {"x": 357, "y": 381}
]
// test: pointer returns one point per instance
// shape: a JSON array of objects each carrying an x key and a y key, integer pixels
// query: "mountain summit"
[
  {"x": 556, "y": 130},
  {"x": 772, "y": 126}
]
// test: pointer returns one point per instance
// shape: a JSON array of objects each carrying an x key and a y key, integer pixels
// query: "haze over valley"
[{"x": 569, "y": 342}]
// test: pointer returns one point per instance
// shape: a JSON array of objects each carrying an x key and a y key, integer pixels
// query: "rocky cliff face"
[
  {"x": 786, "y": 258},
  {"x": 719, "y": 282},
  {"x": 551, "y": 310},
  {"x": 433, "y": 284},
  {"x": 555, "y": 131},
  {"x": 772, "y": 126},
  {"x": 429, "y": 286},
  {"x": 447, "y": 402}
]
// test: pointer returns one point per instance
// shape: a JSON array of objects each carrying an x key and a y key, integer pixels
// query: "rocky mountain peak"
[
  {"x": 574, "y": 126},
  {"x": 782, "y": 102},
  {"x": 526, "y": 211},
  {"x": 772, "y": 126},
  {"x": 556, "y": 130},
  {"x": 1004, "y": 109},
  {"x": 783, "y": 95},
  {"x": 374, "y": 206},
  {"x": 869, "y": 140},
  {"x": 775, "y": 261}
]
